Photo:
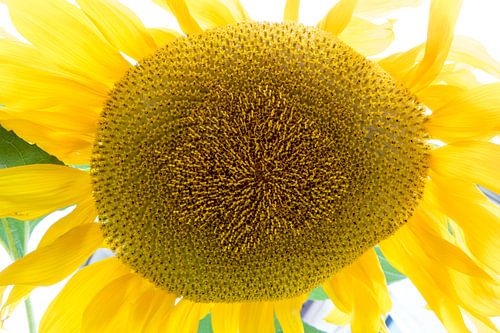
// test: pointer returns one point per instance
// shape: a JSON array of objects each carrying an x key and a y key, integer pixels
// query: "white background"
[{"x": 479, "y": 19}]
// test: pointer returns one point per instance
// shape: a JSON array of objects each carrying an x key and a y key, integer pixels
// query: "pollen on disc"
[{"x": 253, "y": 161}]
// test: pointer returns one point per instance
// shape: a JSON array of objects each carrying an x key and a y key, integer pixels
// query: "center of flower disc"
[{"x": 253, "y": 161}]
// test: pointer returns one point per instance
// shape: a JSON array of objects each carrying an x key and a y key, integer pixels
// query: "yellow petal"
[
  {"x": 226, "y": 317},
  {"x": 61, "y": 118},
  {"x": 120, "y": 26},
  {"x": 84, "y": 212},
  {"x": 148, "y": 304},
  {"x": 338, "y": 290},
  {"x": 77, "y": 294},
  {"x": 110, "y": 309},
  {"x": 369, "y": 292},
  {"x": 443, "y": 251},
  {"x": 442, "y": 18},
  {"x": 366, "y": 317},
  {"x": 338, "y": 317},
  {"x": 368, "y": 38},
  {"x": 291, "y": 11},
  {"x": 35, "y": 190},
  {"x": 456, "y": 76},
  {"x": 163, "y": 305},
  {"x": 16, "y": 295},
  {"x": 216, "y": 13},
  {"x": 288, "y": 314},
  {"x": 25, "y": 87},
  {"x": 414, "y": 265},
  {"x": 185, "y": 316},
  {"x": 366, "y": 270},
  {"x": 470, "y": 114},
  {"x": 163, "y": 36},
  {"x": 16, "y": 53},
  {"x": 337, "y": 18},
  {"x": 52, "y": 263},
  {"x": 468, "y": 51},
  {"x": 381, "y": 7},
  {"x": 437, "y": 96},
  {"x": 474, "y": 161},
  {"x": 186, "y": 21},
  {"x": 473, "y": 212},
  {"x": 257, "y": 317},
  {"x": 399, "y": 64},
  {"x": 63, "y": 33}
]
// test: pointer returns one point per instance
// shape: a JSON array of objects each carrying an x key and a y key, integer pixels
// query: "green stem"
[
  {"x": 30, "y": 315},
  {"x": 10, "y": 240},
  {"x": 15, "y": 255}
]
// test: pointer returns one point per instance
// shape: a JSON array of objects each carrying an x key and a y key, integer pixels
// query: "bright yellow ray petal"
[
  {"x": 337, "y": 18},
  {"x": 366, "y": 317},
  {"x": 110, "y": 309},
  {"x": 474, "y": 161},
  {"x": 186, "y": 21},
  {"x": 473, "y": 212},
  {"x": 84, "y": 212},
  {"x": 120, "y": 26},
  {"x": 451, "y": 74},
  {"x": 16, "y": 53},
  {"x": 469, "y": 114},
  {"x": 226, "y": 317},
  {"x": 61, "y": 118},
  {"x": 338, "y": 290},
  {"x": 442, "y": 18},
  {"x": 462, "y": 282},
  {"x": 52, "y": 263},
  {"x": 164, "y": 304},
  {"x": 35, "y": 190},
  {"x": 413, "y": 265},
  {"x": 366, "y": 37},
  {"x": 152, "y": 303},
  {"x": 399, "y": 64},
  {"x": 24, "y": 87},
  {"x": 288, "y": 314},
  {"x": 63, "y": 33},
  {"x": 367, "y": 270},
  {"x": 291, "y": 13},
  {"x": 370, "y": 295},
  {"x": 163, "y": 36},
  {"x": 257, "y": 317},
  {"x": 185, "y": 316},
  {"x": 16, "y": 295},
  {"x": 216, "y": 13},
  {"x": 338, "y": 317},
  {"x": 468, "y": 51},
  {"x": 381, "y": 7},
  {"x": 77, "y": 294},
  {"x": 443, "y": 251},
  {"x": 438, "y": 96},
  {"x": 359, "y": 292}
]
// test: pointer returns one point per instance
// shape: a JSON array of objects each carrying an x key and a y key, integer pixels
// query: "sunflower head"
[{"x": 251, "y": 162}]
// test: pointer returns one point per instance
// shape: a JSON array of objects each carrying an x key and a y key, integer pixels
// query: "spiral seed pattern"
[{"x": 253, "y": 161}]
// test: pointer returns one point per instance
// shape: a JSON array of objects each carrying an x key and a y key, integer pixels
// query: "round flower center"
[{"x": 254, "y": 161}]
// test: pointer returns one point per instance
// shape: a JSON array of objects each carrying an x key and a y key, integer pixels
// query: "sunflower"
[{"x": 237, "y": 165}]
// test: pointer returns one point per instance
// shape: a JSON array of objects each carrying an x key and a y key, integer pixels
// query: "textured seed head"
[{"x": 252, "y": 162}]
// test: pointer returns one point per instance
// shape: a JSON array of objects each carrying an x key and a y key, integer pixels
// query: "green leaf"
[
  {"x": 391, "y": 274},
  {"x": 318, "y": 294},
  {"x": 205, "y": 325},
  {"x": 14, "y": 234},
  {"x": 15, "y": 152},
  {"x": 310, "y": 329}
]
